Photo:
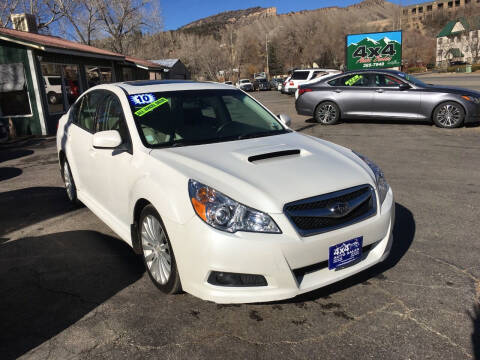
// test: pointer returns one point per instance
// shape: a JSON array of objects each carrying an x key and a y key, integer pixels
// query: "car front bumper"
[
  {"x": 472, "y": 112},
  {"x": 200, "y": 249}
]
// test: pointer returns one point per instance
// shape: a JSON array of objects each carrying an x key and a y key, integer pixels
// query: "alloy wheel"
[
  {"x": 156, "y": 250},
  {"x": 327, "y": 113},
  {"x": 67, "y": 177},
  {"x": 449, "y": 115}
]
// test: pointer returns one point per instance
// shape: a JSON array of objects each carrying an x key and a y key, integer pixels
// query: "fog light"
[{"x": 234, "y": 279}]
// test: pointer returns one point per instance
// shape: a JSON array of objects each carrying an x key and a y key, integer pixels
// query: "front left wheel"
[
  {"x": 157, "y": 252},
  {"x": 449, "y": 115}
]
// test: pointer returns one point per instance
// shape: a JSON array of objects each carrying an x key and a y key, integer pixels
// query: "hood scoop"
[{"x": 274, "y": 154}]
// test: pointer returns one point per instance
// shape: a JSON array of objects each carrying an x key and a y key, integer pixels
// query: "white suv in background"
[{"x": 300, "y": 77}]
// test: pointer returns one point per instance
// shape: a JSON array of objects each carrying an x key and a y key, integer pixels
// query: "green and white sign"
[{"x": 374, "y": 50}]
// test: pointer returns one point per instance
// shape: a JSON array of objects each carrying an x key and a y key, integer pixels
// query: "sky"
[{"x": 177, "y": 13}]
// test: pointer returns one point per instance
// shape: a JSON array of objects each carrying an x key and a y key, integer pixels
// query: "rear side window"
[
  {"x": 55, "y": 80},
  {"x": 88, "y": 109},
  {"x": 382, "y": 80},
  {"x": 351, "y": 80},
  {"x": 300, "y": 75}
]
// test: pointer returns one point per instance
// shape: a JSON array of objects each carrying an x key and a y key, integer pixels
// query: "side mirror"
[
  {"x": 284, "y": 118},
  {"x": 109, "y": 139},
  {"x": 404, "y": 86}
]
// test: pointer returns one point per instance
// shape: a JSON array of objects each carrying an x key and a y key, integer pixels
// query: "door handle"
[
  {"x": 379, "y": 90},
  {"x": 338, "y": 91}
]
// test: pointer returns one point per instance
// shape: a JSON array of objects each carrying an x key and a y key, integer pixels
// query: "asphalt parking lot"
[{"x": 71, "y": 290}]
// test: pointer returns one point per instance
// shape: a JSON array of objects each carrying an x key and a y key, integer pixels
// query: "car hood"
[
  {"x": 452, "y": 90},
  {"x": 268, "y": 184}
]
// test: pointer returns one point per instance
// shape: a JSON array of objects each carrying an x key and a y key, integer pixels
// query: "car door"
[
  {"x": 353, "y": 93},
  {"x": 79, "y": 142},
  {"x": 113, "y": 167},
  {"x": 390, "y": 101}
]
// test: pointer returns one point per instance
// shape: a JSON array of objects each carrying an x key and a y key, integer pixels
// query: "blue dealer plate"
[{"x": 345, "y": 253}]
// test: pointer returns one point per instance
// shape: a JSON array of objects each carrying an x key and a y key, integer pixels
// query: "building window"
[
  {"x": 61, "y": 86},
  {"x": 457, "y": 2},
  {"x": 439, "y": 54},
  {"x": 450, "y": 4},
  {"x": 429, "y": 7},
  {"x": 98, "y": 75},
  {"x": 414, "y": 10},
  {"x": 467, "y": 2},
  {"x": 14, "y": 97},
  {"x": 420, "y": 9},
  {"x": 440, "y": 6},
  {"x": 405, "y": 12}
]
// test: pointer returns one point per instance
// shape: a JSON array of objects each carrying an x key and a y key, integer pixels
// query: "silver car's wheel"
[
  {"x": 156, "y": 250},
  {"x": 327, "y": 113},
  {"x": 449, "y": 115}
]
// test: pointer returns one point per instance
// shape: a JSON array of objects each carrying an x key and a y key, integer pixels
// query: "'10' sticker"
[{"x": 142, "y": 99}]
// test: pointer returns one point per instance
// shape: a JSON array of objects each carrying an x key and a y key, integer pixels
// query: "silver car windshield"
[{"x": 199, "y": 117}]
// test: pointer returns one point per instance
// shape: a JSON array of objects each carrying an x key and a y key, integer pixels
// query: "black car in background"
[{"x": 261, "y": 84}]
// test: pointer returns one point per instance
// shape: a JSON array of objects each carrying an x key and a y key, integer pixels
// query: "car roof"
[
  {"x": 148, "y": 86},
  {"x": 385, "y": 71}
]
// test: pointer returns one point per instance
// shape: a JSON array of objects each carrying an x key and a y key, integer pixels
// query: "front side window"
[
  {"x": 110, "y": 116},
  {"x": 200, "y": 117},
  {"x": 382, "y": 80},
  {"x": 87, "y": 110}
]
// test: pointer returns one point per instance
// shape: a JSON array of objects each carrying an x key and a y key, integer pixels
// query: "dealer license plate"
[{"x": 345, "y": 253}]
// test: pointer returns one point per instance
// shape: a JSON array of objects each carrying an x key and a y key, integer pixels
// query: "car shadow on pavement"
[
  {"x": 9, "y": 173},
  {"x": 31, "y": 205},
  {"x": 15, "y": 153},
  {"x": 403, "y": 235},
  {"x": 50, "y": 282}
]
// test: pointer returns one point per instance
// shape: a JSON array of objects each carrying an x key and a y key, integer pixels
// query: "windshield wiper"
[{"x": 262, "y": 133}]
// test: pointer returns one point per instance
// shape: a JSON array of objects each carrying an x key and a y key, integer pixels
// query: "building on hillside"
[
  {"x": 459, "y": 40},
  {"x": 41, "y": 76},
  {"x": 423, "y": 11},
  {"x": 173, "y": 69}
]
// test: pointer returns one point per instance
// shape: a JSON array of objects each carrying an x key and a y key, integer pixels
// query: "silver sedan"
[{"x": 387, "y": 94}]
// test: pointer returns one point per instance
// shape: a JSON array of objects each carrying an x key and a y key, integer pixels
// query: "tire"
[
  {"x": 449, "y": 115},
  {"x": 70, "y": 187},
  {"x": 157, "y": 252},
  {"x": 327, "y": 113},
  {"x": 52, "y": 98}
]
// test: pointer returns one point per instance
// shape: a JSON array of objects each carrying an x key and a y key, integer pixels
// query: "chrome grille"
[{"x": 332, "y": 211}]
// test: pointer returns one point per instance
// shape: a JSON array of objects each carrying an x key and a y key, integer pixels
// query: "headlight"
[
  {"x": 474, "y": 99},
  {"x": 225, "y": 214},
  {"x": 382, "y": 185}
]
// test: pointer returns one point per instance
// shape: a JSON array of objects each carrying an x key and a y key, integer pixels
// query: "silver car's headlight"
[
  {"x": 226, "y": 214},
  {"x": 381, "y": 182}
]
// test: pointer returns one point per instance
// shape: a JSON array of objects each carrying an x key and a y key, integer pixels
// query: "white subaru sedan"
[{"x": 218, "y": 195}]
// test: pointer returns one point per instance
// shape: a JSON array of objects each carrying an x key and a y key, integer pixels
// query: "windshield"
[
  {"x": 244, "y": 81},
  {"x": 412, "y": 79},
  {"x": 196, "y": 117}
]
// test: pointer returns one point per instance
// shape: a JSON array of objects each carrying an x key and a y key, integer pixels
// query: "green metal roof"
[{"x": 447, "y": 29}]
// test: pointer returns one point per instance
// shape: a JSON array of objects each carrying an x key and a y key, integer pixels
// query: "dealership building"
[{"x": 41, "y": 76}]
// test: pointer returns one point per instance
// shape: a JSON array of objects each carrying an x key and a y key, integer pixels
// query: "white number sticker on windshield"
[{"x": 142, "y": 99}]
